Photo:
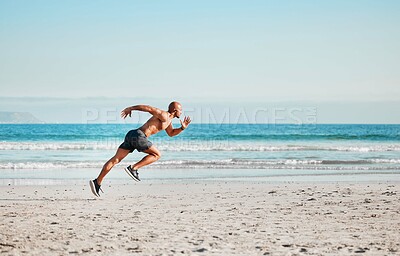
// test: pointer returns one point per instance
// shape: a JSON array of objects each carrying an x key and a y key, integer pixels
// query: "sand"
[{"x": 202, "y": 218}]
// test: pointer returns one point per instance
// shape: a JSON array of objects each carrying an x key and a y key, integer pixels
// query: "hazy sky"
[{"x": 259, "y": 51}]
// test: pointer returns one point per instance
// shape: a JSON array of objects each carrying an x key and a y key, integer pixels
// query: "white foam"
[
  {"x": 54, "y": 146},
  {"x": 198, "y": 146},
  {"x": 49, "y": 165},
  {"x": 370, "y": 164}
]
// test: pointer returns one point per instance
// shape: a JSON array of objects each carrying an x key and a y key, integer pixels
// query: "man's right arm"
[{"x": 160, "y": 114}]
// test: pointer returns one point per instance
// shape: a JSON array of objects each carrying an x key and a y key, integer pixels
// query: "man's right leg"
[
  {"x": 119, "y": 155},
  {"x": 153, "y": 155}
]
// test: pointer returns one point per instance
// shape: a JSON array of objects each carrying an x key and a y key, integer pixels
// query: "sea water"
[{"x": 252, "y": 149}]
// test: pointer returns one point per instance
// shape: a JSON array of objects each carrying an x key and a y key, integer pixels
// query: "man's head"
[{"x": 175, "y": 108}]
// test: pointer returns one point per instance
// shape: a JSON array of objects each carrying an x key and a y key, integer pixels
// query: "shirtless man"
[{"x": 137, "y": 139}]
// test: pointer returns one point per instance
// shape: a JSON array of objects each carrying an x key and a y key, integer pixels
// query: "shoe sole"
[
  {"x": 130, "y": 175},
  {"x": 92, "y": 187}
]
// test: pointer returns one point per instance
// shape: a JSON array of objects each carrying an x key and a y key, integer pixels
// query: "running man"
[{"x": 138, "y": 139}]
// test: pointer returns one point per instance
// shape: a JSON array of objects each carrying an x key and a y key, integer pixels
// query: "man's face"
[{"x": 178, "y": 111}]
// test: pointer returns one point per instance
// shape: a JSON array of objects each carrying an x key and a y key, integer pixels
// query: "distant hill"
[{"x": 18, "y": 118}]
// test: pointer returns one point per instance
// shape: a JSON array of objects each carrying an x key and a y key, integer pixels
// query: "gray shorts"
[{"x": 136, "y": 139}]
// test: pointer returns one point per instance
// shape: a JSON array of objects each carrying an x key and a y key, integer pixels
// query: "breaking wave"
[
  {"x": 191, "y": 146},
  {"x": 370, "y": 164}
]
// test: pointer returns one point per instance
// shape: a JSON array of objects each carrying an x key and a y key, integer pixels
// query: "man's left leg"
[
  {"x": 119, "y": 155},
  {"x": 95, "y": 185}
]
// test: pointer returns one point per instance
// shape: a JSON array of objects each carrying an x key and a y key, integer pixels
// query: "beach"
[
  {"x": 213, "y": 128},
  {"x": 217, "y": 189},
  {"x": 202, "y": 217}
]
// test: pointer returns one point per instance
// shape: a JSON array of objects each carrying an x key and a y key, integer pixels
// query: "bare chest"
[{"x": 156, "y": 124}]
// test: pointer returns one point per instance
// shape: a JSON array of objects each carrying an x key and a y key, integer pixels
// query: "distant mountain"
[{"x": 18, "y": 118}]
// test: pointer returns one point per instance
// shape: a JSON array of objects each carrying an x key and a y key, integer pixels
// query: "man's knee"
[
  {"x": 157, "y": 155},
  {"x": 115, "y": 160}
]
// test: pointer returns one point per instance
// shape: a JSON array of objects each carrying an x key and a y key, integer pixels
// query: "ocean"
[{"x": 210, "y": 149}]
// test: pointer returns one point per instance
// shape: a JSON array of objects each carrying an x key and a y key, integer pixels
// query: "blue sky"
[{"x": 314, "y": 52}]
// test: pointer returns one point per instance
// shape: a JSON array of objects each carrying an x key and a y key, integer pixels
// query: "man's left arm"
[{"x": 184, "y": 124}]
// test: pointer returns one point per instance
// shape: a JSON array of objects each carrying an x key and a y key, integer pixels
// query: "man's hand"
[
  {"x": 186, "y": 121},
  {"x": 126, "y": 112}
]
